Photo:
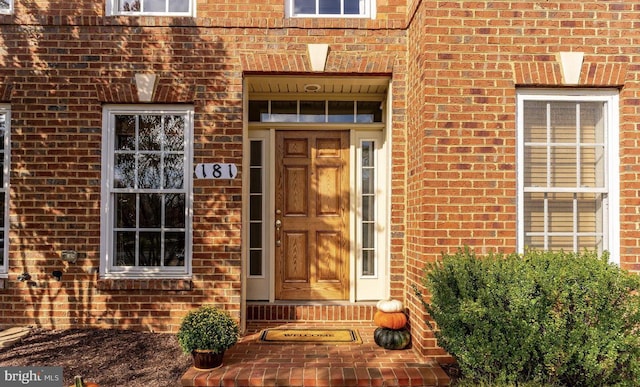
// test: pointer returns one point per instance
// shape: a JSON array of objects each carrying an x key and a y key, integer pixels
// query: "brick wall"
[
  {"x": 60, "y": 80},
  {"x": 59, "y": 65},
  {"x": 259, "y": 14},
  {"x": 466, "y": 60},
  {"x": 455, "y": 68}
]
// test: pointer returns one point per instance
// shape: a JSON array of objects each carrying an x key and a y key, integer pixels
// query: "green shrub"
[
  {"x": 207, "y": 328},
  {"x": 552, "y": 318}
]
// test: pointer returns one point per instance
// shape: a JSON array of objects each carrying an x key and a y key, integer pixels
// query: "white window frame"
[
  {"x": 264, "y": 196},
  {"x": 360, "y": 196},
  {"x": 368, "y": 7},
  {"x": 611, "y": 211},
  {"x": 262, "y": 287},
  {"x": 107, "y": 268},
  {"x": 7, "y": 11},
  {"x": 112, "y": 9},
  {"x": 5, "y": 110},
  {"x": 373, "y": 286},
  {"x": 367, "y": 287}
]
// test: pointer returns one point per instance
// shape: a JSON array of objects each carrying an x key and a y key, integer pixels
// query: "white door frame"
[{"x": 362, "y": 288}]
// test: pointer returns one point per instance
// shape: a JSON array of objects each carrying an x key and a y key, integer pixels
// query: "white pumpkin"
[{"x": 390, "y": 306}]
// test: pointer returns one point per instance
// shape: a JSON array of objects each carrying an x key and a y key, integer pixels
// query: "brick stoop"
[
  {"x": 305, "y": 312},
  {"x": 252, "y": 363}
]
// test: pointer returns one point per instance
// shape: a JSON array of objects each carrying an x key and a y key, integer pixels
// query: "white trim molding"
[
  {"x": 594, "y": 180},
  {"x": 147, "y": 173}
]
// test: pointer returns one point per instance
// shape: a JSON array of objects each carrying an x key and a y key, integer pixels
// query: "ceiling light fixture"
[{"x": 312, "y": 87}]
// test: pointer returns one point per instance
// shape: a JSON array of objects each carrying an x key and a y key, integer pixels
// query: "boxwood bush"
[{"x": 551, "y": 318}]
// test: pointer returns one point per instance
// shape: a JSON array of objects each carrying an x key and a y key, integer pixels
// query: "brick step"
[
  {"x": 253, "y": 363},
  {"x": 292, "y": 312},
  {"x": 390, "y": 375}
]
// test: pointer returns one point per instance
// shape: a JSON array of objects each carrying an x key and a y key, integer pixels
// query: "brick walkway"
[{"x": 251, "y": 363}]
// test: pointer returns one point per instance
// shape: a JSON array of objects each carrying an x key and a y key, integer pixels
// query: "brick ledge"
[{"x": 145, "y": 284}]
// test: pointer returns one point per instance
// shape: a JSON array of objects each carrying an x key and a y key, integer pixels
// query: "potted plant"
[
  {"x": 78, "y": 381},
  {"x": 206, "y": 333}
]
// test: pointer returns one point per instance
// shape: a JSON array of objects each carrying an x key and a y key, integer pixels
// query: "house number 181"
[{"x": 216, "y": 171}]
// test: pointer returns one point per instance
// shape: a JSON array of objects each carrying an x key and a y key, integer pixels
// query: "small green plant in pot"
[{"x": 206, "y": 333}]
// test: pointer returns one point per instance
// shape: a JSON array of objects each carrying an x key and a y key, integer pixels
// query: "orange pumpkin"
[
  {"x": 393, "y": 320},
  {"x": 87, "y": 384}
]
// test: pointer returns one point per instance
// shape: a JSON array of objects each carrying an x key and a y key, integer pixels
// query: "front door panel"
[{"x": 312, "y": 215}]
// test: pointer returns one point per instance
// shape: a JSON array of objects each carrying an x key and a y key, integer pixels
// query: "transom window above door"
[
  {"x": 330, "y": 8},
  {"x": 362, "y": 112}
]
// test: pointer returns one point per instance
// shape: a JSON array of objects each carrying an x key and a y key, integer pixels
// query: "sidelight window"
[
  {"x": 256, "y": 209},
  {"x": 5, "y": 123},
  {"x": 368, "y": 205}
]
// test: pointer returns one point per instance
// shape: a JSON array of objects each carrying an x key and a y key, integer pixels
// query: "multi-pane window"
[
  {"x": 567, "y": 172},
  {"x": 368, "y": 203},
  {"x": 6, "y": 6},
  {"x": 5, "y": 130},
  {"x": 256, "y": 209},
  {"x": 349, "y": 111},
  {"x": 329, "y": 8},
  {"x": 146, "y": 191},
  {"x": 151, "y": 7}
]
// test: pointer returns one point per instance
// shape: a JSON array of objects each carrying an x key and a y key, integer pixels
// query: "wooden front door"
[{"x": 312, "y": 215}]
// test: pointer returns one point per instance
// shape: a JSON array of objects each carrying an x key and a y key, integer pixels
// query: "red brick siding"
[
  {"x": 391, "y": 14},
  {"x": 549, "y": 74},
  {"x": 57, "y": 75},
  {"x": 466, "y": 59},
  {"x": 453, "y": 171}
]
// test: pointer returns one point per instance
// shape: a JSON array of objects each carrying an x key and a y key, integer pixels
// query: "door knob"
[{"x": 278, "y": 224}]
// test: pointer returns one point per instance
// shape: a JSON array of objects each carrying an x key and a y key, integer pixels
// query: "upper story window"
[
  {"x": 151, "y": 7},
  {"x": 568, "y": 174},
  {"x": 146, "y": 191},
  {"x": 330, "y": 8},
  {"x": 5, "y": 130},
  {"x": 6, "y": 6}
]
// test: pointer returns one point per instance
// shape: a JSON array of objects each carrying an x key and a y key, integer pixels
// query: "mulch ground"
[{"x": 107, "y": 357}]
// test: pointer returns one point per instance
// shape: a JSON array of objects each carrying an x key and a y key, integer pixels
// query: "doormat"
[{"x": 306, "y": 336}]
